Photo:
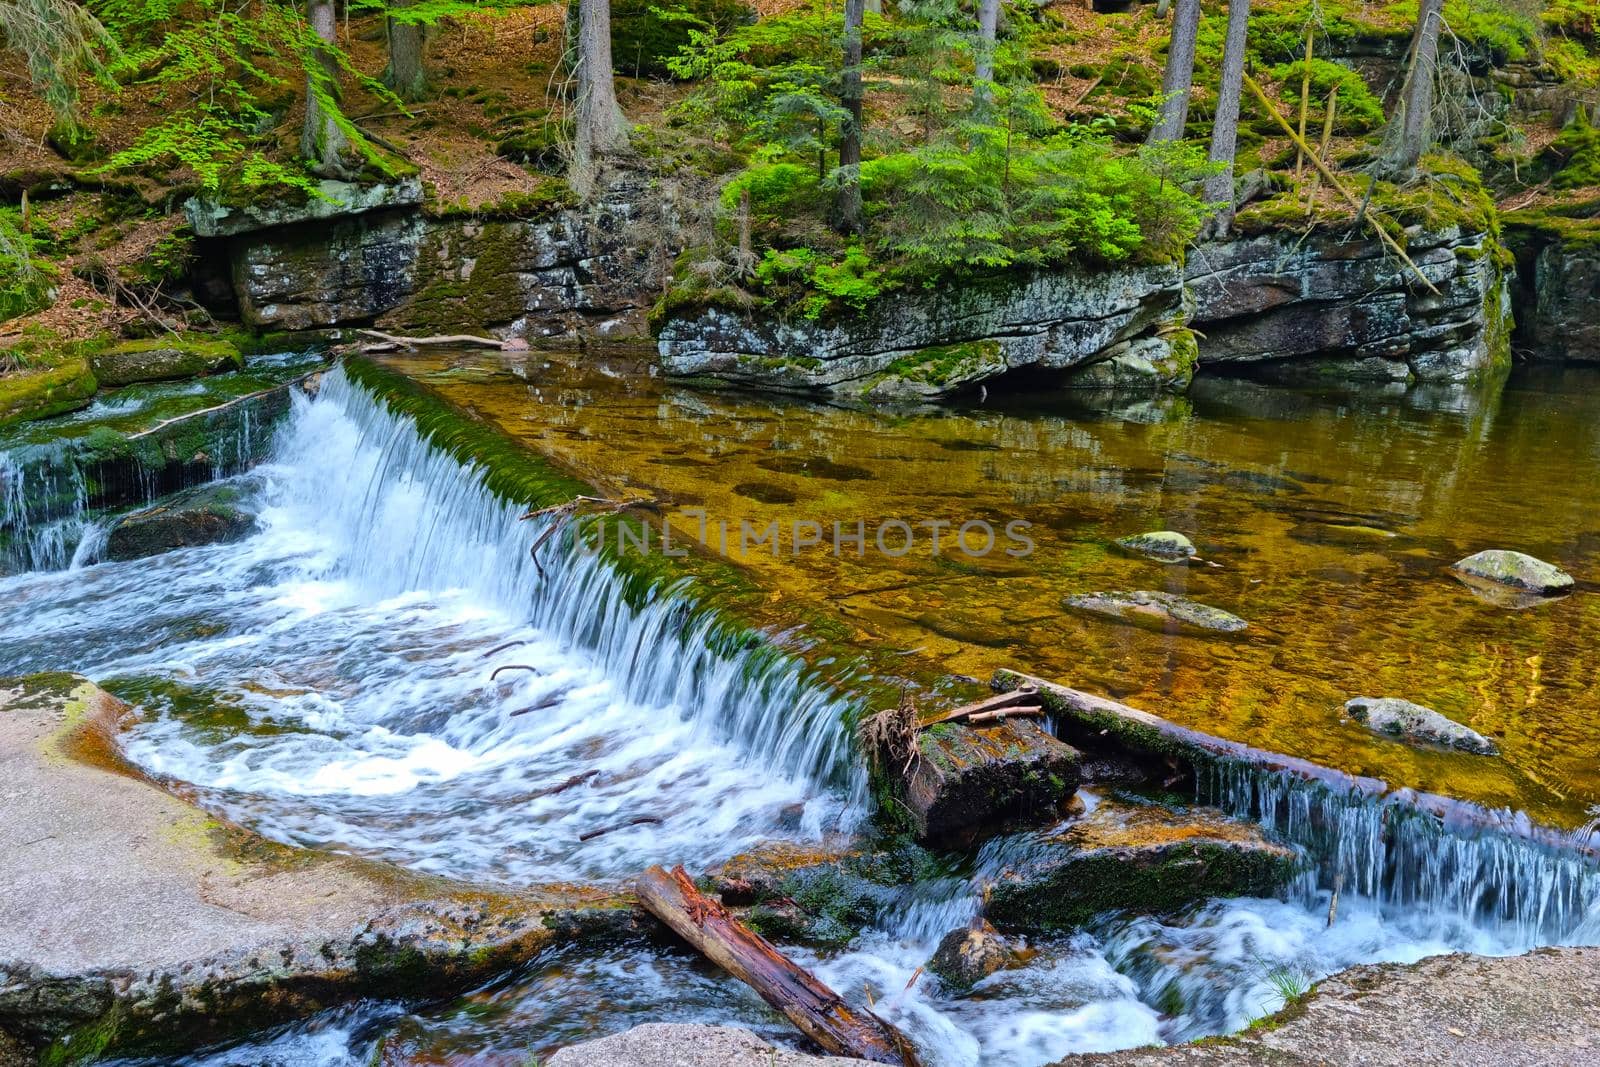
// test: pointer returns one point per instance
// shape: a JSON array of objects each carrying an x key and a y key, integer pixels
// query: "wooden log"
[
  {"x": 819, "y": 1012},
  {"x": 1019, "y": 698},
  {"x": 1024, "y": 712}
]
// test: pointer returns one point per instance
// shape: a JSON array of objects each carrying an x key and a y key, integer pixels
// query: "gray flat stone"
[
  {"x": 687, "y": 1045},
  {"x": 1152, "y": 610},
  {"x": 1516, "y": 569},
  {"x": 1406, "y": 721},
  {"x": 1466, "y": 1011},
  {"x": 1169, "y": 546}
]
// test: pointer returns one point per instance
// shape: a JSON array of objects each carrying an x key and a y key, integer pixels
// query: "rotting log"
[
  {"x": 1097, "y": 723},
  {"x": 819, "y": 1012}
]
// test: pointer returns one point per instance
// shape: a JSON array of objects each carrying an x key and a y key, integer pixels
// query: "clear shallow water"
[{"x": 327, "y": 682}]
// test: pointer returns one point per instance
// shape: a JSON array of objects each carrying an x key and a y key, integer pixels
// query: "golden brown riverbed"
[{"x": 1330, "y": 520}]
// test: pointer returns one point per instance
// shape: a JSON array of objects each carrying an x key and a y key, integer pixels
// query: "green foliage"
[
  {"x": 24, "y": 279},
  {"x": 646, "y": 34},
  {"x": 820, "y": 284},
  {"x": 1572, "y": 18},
  {"x": 1576, "y": 152},
  {"x": 1358, "y": 110},
  {"x": 220, "y": 68},
  {"x": 60, "y": 41},
  {"x": 1492, "y": 29}
]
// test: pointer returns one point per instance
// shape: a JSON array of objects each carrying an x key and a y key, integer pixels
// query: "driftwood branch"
[
  {"x": 457, "y": 339},
  {"x": 1026, "y": 697},
  {"x": 819, "y": 1012},
  {"x": 642, "y": 820}
]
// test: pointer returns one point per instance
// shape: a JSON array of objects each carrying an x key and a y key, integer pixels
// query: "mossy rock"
[
  {"x": 1136, "y": 859},
  {"x": 1153, "y": 610},
  {"x": 213, "y": 514},
  {"x": 1168, "y": 546},
  {"x": 163, "y": 359},
  {"x": 1516, "y": 569},
  {"x": 971, "y": 780},
  {"x": 40, "y": 394}
]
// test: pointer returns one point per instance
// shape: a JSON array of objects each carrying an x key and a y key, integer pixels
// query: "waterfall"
[
  {"x": 1531, "y": 887},
  {"x": 446, "y": 528},
  {"x": 44, "y": 509}
]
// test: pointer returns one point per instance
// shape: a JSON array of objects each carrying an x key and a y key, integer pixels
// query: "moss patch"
[{"x": 39, "y": 394}]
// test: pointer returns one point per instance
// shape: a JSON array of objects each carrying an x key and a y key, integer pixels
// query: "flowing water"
[{"x": 331, "y": 682}]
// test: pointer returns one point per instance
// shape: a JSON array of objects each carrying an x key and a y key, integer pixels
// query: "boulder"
[
  {"x": 1153, "y": 610},
  {"x": 1132, "y": 858},
  {"x": 163, "y": 358},
  {"x": 1144, "y": 365},
  {"x": 687, "y": 1045},
  {"x": 1504, "y": 567},
  {"x": 1168, "y": 546},
  {"x": 210, "y": 515},
  {"x": 969, "y": 955},
  {"x": 969, "y": 780},
  {"x": 39, "y": 394},
  {"x": 1413, "y": 722}
]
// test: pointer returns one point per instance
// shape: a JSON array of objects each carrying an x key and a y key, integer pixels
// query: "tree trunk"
[
  {"x": 819, "y": 1012},
  {"x": 847, "y": 202},
  {"x": 1225, "y": 128},
  {"x": 983, "y": 54},
  {"x": 1410, "y": 128},
  {"x": 322, "y": 143},
  {"x": 1178, "y": 80},
  {"x": 407, "y": 73},
  {"x": 599, "y": 127}
]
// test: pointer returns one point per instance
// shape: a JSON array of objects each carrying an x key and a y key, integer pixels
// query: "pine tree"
[
  {"x": 323, "y": 142},
  {"x": 407, "y": 73},
  {"x": 847, "y": 202},
  {"x": 1225, "y": 127},
  {"x": 599, "y": 128},
  {"x": 1410, "y": 129},
  {"x": 1178, "y": 80}
]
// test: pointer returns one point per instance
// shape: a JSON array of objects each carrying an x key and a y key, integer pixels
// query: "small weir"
[{"x": 383, "y": 669}]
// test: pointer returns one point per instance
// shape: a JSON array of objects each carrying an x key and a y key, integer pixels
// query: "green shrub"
[
  {"x": 645, "y": 34},
  {"x": 1358, "y": 110},
  {"x": 25, "y": 280}
]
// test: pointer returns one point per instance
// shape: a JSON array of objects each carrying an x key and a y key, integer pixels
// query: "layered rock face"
[
  {"x": 383, "y": 261},
  {"x": 931, "y": 343},
  {"x": 1337, "y": 305},
  {"x": 1558, "y": 320}
]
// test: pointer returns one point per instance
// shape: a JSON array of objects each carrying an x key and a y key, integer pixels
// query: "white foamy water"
[{"x": 329, "y": 681}]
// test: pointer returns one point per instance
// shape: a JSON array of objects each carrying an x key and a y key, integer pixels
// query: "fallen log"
[
  {"x": 1097, "y": 723},
  {"x": 1020, "y": 697},
  {"x": 819, "y": 1012}
]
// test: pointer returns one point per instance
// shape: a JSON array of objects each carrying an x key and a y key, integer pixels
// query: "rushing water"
[{"x": 331, "y": 682}]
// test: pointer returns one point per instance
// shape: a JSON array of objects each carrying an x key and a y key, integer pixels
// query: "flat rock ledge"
[
  {"x": 1153, "y": 610},
  {"x": 131, "y": 919},
  {"x": 1132, "y": 858},
  {"x": 1468, "y": 1011},
  {"x": 687, "y": 1045}
]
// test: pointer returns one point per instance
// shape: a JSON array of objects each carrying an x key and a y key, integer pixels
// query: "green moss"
[
  {"x": 39, "y": 394},
  {"x": 163, "y": 359},
  {"x": 940, "y": 365}
]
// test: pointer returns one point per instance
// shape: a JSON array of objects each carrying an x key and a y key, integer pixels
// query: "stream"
[{"x": 331, "y": 682}]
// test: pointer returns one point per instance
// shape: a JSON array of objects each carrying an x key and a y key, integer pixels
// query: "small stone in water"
[
  {"x": 1413, "y": 722},
  {"x": 972, "y": 953},
  {"x": 1169, "y": 546},
  {"x": 1158, "y": 611},
  {"x": 1516, "y": 569}
]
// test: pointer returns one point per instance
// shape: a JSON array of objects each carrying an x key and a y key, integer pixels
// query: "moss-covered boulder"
[
  {"x": 163, "y": 359},
  {"x": 1153, "y": 610},
  {"x": 1133, "y": 858},
  {"x": 210, "y": 515},
  {"x": 1405, "y": 721},
  {"x": 1516, "y": 569},
  {"x": 1168, "y": 546},
  {"x": 38, "y": 394},
  {"x": 968, "y": 780}
]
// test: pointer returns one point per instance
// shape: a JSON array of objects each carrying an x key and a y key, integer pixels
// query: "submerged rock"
[
  {"x": 1516, "y": 569},
  {"x": 1166, "y": 545},
  {"x": 162, "y": 359},
  {"x": 969, "y": 955},
  {"x": 1413, "y": 722},
  {"x": 1157, "y": 611},
  {"x": 967, "y": 780},
  {"x": 40, "y": 394},
  {"x": 1130, "y": 858},
  {"x": 210, "y": 515}
]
